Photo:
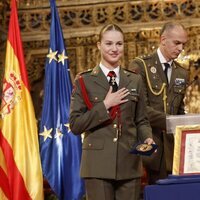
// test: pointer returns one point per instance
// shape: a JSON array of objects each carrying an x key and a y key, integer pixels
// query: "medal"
[
  {"x": 153, "y": 70},
  {"x": 144, "y": 147}
]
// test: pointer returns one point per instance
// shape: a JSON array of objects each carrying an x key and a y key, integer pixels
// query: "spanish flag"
[{"x": 20, "y": 167}]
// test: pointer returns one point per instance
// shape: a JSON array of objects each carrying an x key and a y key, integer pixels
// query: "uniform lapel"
[
  {"x": 123, "y": 81},
  {"x": 173, "y": 76},
  {"x": 100, "y": 78},
  {"x": 159, "y": 68}
]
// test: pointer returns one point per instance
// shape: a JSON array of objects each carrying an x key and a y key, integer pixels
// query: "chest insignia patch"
[{"x": 179, "y": 81}]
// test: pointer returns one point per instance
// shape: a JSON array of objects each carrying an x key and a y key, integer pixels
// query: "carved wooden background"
[{"x": 81, "y": 22}]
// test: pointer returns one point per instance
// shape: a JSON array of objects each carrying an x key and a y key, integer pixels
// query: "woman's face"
[{"x": 111, "y": 48}]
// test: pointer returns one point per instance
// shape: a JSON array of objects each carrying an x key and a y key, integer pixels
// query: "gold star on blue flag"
[
  {"x": 68, "y": 127},
  {"x": 58, "y": 133},
  {"x": 46, "y": 133},
  {"x": 52, "y": 55},
  {"x": 62, "y": 57}
]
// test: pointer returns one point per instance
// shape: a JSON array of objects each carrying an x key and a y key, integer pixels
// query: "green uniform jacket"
[
  {"x": 102, "y": 157},
  {"x": 155, "y": 107}
]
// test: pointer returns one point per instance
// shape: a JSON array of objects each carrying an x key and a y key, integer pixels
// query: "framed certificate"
[{"x": 186, "y": 150}]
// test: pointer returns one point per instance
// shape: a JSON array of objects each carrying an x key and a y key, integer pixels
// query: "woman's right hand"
[{"x": 115, "y": 98}]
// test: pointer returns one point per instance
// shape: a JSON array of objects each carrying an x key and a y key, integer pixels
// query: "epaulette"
[
  {"x": 85, "y": 72},
  {"x": 82, "y": 73},
  {"x": 181, "y": 65},
  {"x": 131, "y": 71},
  {"x": 144, "y": 57}
]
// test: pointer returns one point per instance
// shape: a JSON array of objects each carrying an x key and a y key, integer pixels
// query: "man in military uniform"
[{"x": 164, "y": 87}]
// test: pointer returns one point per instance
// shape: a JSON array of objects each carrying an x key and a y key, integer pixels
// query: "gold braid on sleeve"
[{"x": 162, "y": 90}]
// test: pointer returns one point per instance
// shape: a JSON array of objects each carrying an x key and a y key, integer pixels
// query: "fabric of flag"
[
  {"x": 60, "y": 150},
  {"x": 20, "y": 166}
]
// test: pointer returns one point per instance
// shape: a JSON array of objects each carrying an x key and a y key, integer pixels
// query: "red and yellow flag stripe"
[{"x": 20, "y": 167}]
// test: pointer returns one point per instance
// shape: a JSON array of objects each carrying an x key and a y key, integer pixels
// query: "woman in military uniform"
[{"x": 107, "y": 105}]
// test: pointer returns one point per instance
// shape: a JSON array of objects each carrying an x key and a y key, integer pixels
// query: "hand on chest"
[{"x": 97, "y": 92}]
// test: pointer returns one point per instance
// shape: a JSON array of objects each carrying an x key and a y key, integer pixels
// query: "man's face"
[{"x": 172, "y": 42}]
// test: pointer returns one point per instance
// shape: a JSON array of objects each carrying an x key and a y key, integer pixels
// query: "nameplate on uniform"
[{"x": 144, "y": 149}]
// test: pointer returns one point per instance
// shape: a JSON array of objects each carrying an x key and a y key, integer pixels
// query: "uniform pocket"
[
  {"x": 179, "y": 89},
  {"x": 96, "y": 98},
  {"x": 134, "y": 97},
  {"x": 156, "y": 87},
  {"x": 93, "y": 144}
]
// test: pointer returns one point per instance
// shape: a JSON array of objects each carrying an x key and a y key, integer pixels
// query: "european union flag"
[{"x": 60, "y": 149}]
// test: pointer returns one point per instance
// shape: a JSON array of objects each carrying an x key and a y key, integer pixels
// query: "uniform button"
[
  {"x": 114, "y": 139},
  {"x": 90, "y": 145},
  {"x": 167, "y": 104},
  {"x": 96, "y": 98},
  {"x": 114, "y": 125}
]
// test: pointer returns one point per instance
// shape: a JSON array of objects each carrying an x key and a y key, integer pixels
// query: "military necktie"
[
  {"x": 167, "y": 66},
  {"x": 112, "y": 81}
]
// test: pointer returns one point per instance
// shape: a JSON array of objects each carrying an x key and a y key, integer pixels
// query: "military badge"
[
  {"x": 153, "y": 70},
  {"x": 134, "y": 95},
  {"x": 133, "y": 91},
  {"x": 179, "y": 81},
  {"x": 11, "y": 94}
]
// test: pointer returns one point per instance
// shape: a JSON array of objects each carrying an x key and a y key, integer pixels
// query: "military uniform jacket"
[
  {"x": 102, "y": 156},
  {"x": 175, "y": 91}
]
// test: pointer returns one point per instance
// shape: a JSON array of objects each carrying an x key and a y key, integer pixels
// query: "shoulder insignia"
[
  {"x": 131, "y": 71},
  {"x": 77, "y": 76},
  {"x": 82, "y": 73},
  {"x": 146, "y": 56},
  {"x": 85, "y": 72},
  {"x": 181, "y": 65}
]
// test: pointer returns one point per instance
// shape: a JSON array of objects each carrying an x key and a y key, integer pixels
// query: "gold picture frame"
[{"x": 186, "y": 159}]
